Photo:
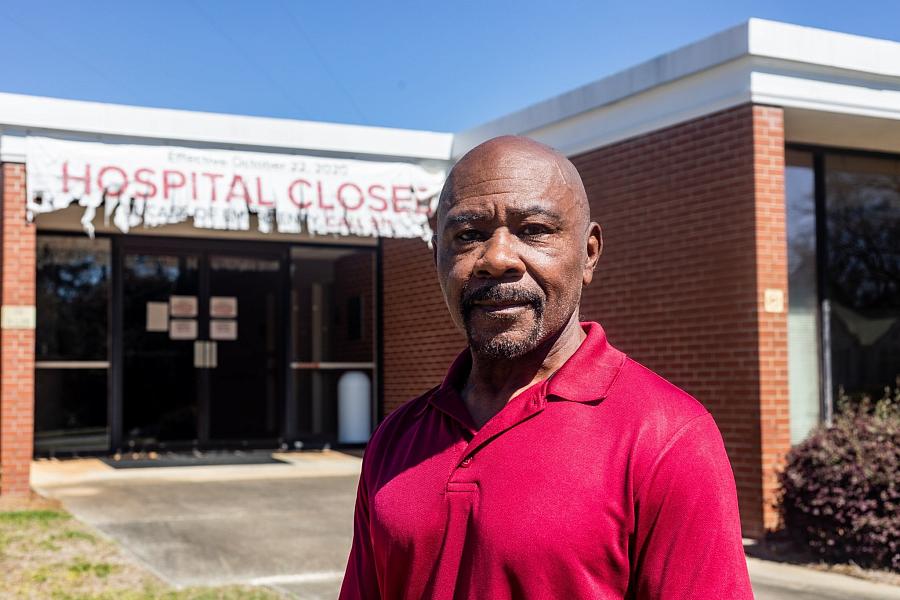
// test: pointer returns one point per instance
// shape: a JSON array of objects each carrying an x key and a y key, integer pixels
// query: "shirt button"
[{"x": 466, "y": 462}]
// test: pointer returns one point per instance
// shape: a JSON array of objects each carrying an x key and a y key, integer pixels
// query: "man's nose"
[{"x": 499, "y": 257}]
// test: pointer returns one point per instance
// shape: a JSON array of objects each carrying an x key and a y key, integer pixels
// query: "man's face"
[{"x": 511, "y": 250}]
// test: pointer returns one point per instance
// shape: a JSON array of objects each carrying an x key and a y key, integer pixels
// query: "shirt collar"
[
  {"x": 585, "y": 377},
  {"x": 589, "y": 373}
]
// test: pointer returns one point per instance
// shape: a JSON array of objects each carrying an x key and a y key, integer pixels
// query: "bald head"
[{"x": 514, "y": 156}]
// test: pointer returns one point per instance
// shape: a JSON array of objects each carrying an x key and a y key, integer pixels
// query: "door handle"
[
  {"x": 199, "y": 354},
  {"x": 206, "y": 354}
]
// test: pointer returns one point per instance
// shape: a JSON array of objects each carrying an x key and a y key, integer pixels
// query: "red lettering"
[
  {"x": 170, "y": 184},
  {"x": 301, "y": 203},
  {"x": 382, "y": 199},
  {"x": 108, "y": 189},
  {"x": 238, "y": 185},
  {"x": 359, "y": 195},
  {"x": 213, "y": 178},
  {"x": 397, "y": 199},
  {"x": 86, "y": 180},
  {"x": 151, "y": 188},
  {"x": 322, "y": 204},
  {"x": 259, "y": 194},
  {"x": 193, "y": 186}
]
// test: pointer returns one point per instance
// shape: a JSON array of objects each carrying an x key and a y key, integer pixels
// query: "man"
[{"x": 547, "y": 464}]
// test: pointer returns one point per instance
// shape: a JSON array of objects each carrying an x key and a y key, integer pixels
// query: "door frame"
[{"x": 122, "y": 245}]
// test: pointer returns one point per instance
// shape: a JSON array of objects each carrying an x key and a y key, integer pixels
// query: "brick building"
[{"x": 748, "y": 186}]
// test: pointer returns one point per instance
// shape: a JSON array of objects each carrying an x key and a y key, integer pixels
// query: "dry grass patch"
[{"x": 46, "y": 554}]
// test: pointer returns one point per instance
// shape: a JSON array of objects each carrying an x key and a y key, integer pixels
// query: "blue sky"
[{"x": 443, "y": 66}]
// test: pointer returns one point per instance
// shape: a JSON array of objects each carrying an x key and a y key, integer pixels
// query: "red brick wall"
[
  {"x": 693, "y": 219},
  {"x": 419, "y": 339},
  {"x": 17, "y": 282}
]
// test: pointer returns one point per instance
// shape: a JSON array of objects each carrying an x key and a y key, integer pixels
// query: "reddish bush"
[{"x": 840, "y": 490}]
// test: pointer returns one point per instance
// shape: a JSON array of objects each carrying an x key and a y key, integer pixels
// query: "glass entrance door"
[
  {"x": 161, "y": 386},
  {"x": 244, "y": 309},
  {"x": 202, "y": 350}
]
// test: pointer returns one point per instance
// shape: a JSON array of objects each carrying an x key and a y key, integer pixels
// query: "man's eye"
[
  {"x": 469, "y": 235},
  {"x": 531, "y": 230}
]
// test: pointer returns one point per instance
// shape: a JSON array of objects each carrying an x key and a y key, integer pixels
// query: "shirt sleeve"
[
  {"x": 360, "y": 579},
  {"x": 687, "y": 531}
]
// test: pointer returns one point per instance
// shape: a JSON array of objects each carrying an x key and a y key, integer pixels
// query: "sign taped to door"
[
  {"x": 157, "y": 316},
  {"x": 183, "y": 329},
  {"x": 183, "y": 306},
  {"x": 149, "y": 186},
  {"x": 223, "y": 329},
  {"x": 223, "y": 307}
]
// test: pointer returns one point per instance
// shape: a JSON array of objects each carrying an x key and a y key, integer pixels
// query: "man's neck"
[{"x": 493, "y": 382}]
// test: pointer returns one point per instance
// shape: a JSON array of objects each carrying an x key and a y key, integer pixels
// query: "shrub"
[{"x": 840, "y": 489}]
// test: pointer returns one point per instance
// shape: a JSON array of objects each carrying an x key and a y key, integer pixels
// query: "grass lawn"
[{"x": 47, "y": 554}]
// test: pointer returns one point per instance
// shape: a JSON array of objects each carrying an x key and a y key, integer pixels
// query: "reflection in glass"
[
  {"x": 803, "y": 335},
  {"x": 72, "y": 298},
  {"x": 863, "y": 276}
]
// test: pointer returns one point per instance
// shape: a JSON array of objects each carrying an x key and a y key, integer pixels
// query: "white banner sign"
[{"x": 219, "y": 189}]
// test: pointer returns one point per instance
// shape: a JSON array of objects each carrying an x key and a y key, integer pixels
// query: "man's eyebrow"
[
  {"x": 527, "y": 211},
  {"x": 466, "y": 217},
  {"x": 535, "y": 210}
]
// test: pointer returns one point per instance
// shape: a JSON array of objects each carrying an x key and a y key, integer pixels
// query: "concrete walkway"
[{"x": 286, "y": 526}]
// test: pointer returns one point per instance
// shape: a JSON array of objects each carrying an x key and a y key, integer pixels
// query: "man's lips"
[{"x": 500, "y": 307}]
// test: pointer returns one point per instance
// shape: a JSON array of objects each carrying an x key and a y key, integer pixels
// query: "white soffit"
[
  {"x": 21, "y": 114},
  {"x": 813, "y": 73}
]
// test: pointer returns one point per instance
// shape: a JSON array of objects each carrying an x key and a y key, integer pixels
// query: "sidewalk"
[{"x": 778, "y": 581}]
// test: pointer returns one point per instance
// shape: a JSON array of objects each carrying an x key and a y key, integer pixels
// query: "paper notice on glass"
[
  {"x": 182, "y": 306},
  {"x": 157, "y": 316},
  {"x": 223, "y": 307},
  {"x": 223, "y": 329},
  {"x": 183, "y": 329}
]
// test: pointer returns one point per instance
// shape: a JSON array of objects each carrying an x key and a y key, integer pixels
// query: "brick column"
[
  {"x": 17, "y": 294},
  {"x": 771, "y": 276}
]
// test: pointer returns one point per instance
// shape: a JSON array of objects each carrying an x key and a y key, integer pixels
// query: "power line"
[
  {"x": 247, "y": 56},
  {"x": 299, "y": 27},
  {"x": 71, "y": 55}
]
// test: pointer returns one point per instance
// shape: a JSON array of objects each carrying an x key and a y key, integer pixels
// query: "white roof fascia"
[
  {"x": 21, "y": 114},
  {"x": 809, "y": 45},
  {"x": 707, "y": 92}
]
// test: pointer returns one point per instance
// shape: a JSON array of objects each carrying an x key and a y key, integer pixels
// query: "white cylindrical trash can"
[{"x": 354, "y": 413}]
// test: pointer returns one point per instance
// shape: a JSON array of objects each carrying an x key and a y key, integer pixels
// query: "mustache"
[{"x": 500, "y": 293}]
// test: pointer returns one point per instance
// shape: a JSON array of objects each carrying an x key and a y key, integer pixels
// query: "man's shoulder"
[
  {"x": 653, "y": 409},
  {"x": 649, "y": 394}
]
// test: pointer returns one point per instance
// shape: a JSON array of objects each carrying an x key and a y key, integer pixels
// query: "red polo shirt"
[{"x": 604, "y": 481}]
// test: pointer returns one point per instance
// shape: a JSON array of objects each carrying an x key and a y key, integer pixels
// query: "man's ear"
[{"x": 593, "y": 250}]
